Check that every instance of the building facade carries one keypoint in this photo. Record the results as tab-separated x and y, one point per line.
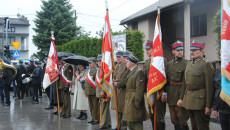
183	20
17	32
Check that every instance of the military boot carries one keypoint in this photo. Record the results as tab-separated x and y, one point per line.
161	126
185	127
177	127
84	116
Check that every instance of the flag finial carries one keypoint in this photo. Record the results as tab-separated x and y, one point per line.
52	35
106	4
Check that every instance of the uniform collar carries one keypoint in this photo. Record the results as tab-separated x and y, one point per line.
177	61
197	59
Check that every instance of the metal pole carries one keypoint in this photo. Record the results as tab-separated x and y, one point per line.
3	41
6	30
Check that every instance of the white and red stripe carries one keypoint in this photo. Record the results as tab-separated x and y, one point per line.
107	65
157	76
91	81
63	77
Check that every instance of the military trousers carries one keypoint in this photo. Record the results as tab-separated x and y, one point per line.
122	123
199	120
66	109
135	125
105	120
161	110
179	115
94	107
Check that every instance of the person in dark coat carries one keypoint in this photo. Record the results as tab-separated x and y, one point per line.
29	70
20	86
7	80
14	81
1	89
36	81
219	105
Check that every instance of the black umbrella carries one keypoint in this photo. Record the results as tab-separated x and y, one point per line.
64	54
76	60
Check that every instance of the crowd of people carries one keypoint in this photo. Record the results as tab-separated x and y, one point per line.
191	92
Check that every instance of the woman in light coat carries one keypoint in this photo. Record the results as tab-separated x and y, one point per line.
80	102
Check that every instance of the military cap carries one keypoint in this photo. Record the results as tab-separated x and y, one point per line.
99	57
178	45
126	53
26	63
197	45
20	61
15	63
149	44
132	58
92	59
37	62
119	53
31	60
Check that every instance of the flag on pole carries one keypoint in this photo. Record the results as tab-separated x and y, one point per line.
225	53
107	65
157	77
52	67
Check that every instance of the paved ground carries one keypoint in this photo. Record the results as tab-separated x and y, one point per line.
22	115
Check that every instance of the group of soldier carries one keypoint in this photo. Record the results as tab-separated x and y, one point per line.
189	90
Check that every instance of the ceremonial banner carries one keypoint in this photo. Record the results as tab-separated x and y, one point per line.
107	65
157	77
52	67
225	53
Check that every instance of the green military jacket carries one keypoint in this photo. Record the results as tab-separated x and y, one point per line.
175	74
135	96
68	72
198	73
89	90
98	89
146	68
121	73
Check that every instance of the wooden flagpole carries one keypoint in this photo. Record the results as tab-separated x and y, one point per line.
107	13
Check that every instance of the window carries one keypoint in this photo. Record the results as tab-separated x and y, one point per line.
10	40
11	29
199	25
135	26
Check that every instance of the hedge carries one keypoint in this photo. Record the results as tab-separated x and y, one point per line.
91	47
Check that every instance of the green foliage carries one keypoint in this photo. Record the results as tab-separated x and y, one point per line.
217	23
91	47
55	15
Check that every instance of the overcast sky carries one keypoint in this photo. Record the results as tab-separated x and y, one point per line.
90	13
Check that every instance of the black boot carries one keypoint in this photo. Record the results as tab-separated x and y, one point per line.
161	126
177	127
81	113
185	127
84	116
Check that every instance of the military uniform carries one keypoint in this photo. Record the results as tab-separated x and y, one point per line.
105	118
134	109
65	94
175	74
199	91
161	106
92	99
121	73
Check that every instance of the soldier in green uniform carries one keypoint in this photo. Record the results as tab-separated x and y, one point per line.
161	106
134	108
175	75
64	84
90	92
105	120
120	75
199	87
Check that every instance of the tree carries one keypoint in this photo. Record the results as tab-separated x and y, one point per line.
55	15
217	30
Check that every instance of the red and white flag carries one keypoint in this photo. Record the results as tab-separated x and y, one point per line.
107	65
52	67
157	77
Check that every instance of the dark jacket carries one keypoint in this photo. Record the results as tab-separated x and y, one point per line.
7	76
218	103
20	70
30	68
37	76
